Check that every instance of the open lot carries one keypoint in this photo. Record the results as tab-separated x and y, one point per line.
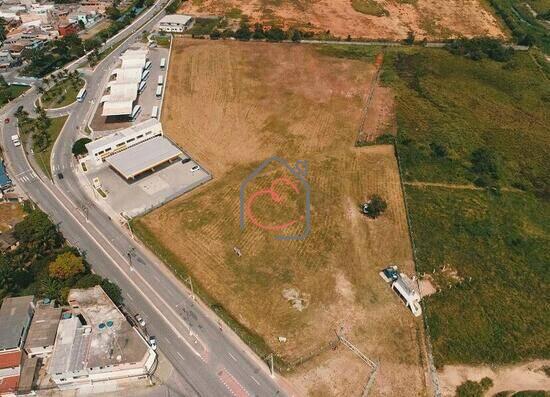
233	105
10	214
487	252
362	18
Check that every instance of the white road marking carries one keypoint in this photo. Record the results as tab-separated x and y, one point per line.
254	379
129	296
179	354
232	356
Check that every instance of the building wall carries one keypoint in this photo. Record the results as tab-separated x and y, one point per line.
42	351
71	380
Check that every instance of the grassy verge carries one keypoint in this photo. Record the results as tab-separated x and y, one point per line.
43	157
11	92
62	93
180	270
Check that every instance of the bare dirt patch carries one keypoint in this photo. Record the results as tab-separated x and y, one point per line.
10	214
431	19
526	376
231	105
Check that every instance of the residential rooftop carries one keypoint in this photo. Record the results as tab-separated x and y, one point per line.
15	315
43	326
97	335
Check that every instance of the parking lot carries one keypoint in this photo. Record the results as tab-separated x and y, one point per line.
148	191
147	99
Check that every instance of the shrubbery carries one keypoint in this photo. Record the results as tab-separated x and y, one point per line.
479	48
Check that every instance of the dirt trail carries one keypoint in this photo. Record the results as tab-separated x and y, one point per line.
526	376
457	186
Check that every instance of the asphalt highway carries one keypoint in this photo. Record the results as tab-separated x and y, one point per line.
209	356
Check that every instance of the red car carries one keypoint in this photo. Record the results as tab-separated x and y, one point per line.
6	120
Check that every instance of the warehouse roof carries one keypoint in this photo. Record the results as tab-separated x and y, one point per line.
149	124
140	158
134	54
128	75
15	315
121	92
176	19
117	108
43	326
132	63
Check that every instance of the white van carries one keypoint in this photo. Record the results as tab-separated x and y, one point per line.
162	63
15	140
155	112
161	80
159	91
135	112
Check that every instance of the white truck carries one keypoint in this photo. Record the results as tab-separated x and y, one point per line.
15	140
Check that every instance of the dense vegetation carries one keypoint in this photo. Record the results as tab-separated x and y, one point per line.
64	89
43	265
474	389
525	27
477	122
53	56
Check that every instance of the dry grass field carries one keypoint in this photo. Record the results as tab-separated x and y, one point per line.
374	19
232	105
10	214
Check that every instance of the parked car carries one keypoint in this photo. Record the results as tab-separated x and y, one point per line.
7	120
153	342
195	168
60	175
140	320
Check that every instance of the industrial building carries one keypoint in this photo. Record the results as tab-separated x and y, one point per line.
135	150
95	343
15	318
175	23
123	90
120	140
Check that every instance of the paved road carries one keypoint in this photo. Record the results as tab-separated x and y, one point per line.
212	360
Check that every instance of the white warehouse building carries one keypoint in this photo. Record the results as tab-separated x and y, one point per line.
118	141
175	23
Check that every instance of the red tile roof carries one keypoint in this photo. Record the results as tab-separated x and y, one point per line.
10	359
9	384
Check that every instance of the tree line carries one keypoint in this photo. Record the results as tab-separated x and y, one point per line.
44	265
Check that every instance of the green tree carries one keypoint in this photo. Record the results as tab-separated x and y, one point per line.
113	291
50	288
79	147
113	13
65	266
474	389
173	7
243	33
37	233
374	207
296	36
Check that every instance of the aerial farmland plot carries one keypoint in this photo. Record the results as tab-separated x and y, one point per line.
370	19
232	105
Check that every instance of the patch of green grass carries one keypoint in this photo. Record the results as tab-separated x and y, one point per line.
448	107
203	26
369	7
11	92
360	52
502	244
462	105
163	41
62	93
43	157
234	13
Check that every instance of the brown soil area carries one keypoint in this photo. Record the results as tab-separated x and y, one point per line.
231	105
432	19
10	214
525	376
